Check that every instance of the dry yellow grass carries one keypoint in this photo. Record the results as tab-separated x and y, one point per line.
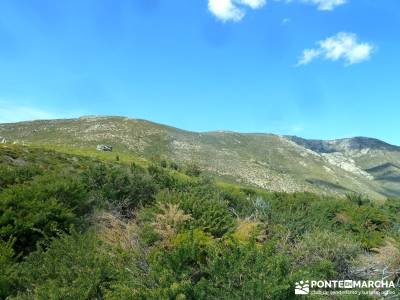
382	262
169	220
388	255
116	232
343	218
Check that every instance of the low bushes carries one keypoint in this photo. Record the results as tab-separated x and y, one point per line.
7	266
42	208
71	268
209	212
16	175
120	189
109	231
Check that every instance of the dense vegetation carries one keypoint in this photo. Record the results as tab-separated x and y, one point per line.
72	227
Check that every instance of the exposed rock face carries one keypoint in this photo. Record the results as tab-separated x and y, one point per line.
3	140
105	148
344	145
346	163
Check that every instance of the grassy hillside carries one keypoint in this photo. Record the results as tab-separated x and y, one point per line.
79	227
276	163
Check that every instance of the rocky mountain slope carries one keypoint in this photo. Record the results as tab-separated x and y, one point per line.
273	162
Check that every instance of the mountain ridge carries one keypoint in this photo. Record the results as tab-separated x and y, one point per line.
93	117
269	161
353	143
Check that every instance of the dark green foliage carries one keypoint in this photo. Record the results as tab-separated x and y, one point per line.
235	242
15	175
247	271
71	268
124	190
7	265
209	212
162	177
200	267
67	189
358	199
192	170
302	211
39	210
174	166
246	204
323	247
368	225
164	163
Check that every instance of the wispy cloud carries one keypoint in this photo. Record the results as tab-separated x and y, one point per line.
10	112
233	10
325	4
342	46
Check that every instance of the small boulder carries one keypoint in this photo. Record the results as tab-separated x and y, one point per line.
105	148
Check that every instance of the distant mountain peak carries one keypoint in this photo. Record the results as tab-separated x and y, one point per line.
344	145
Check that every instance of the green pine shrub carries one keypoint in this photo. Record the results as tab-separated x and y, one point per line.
208	213
10	175
7	267
71	268
31	213
319	247
121	189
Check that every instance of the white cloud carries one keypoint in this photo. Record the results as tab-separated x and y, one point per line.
254	4
308	56
325	4
233	10
342	46
321	4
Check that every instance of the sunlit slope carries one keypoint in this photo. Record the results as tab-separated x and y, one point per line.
270	161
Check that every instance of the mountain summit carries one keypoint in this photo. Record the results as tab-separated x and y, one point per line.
274	162
344	145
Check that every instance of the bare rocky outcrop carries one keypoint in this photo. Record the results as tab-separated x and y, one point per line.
104	148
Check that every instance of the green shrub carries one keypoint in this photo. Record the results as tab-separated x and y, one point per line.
162	177
318	247
10	175
67	189
7	267
200	240
246	271
210	214
124	190
30	218
174	272
41	209
358	199
302	212
368	225
200	267
71	268
192	169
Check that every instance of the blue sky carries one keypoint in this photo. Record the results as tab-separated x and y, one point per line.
314	68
